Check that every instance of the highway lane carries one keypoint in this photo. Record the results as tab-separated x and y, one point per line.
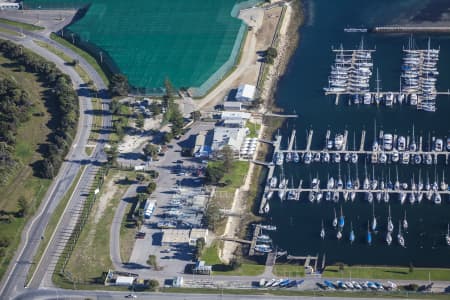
14	280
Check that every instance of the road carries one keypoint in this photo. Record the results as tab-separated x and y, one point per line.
15	278
69	294
114	242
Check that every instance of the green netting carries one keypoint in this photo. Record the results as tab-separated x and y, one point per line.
192	42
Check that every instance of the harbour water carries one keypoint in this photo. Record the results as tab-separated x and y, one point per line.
301	90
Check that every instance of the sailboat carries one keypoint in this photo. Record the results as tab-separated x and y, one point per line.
356	183
374	219
369	234
375	145
444	185
354	157
322	232
390	225
369	197
352	234
341	219
405	222
401	239
339	234
447	236
335	220
397	182
388	238
340	183
295	155
374	182
378	95
366	184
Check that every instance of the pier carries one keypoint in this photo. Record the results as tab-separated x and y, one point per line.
381	94
264	201
252	242
411	29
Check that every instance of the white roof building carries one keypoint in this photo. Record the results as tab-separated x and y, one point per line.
232	105
246	93
235	115
233	137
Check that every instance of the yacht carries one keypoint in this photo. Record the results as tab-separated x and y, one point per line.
335	220
288	157
296	157
405	222
341	220
439	145
279	158
339	235
307	158
266	207
387	141
328	196
447	236
317	157
338	141
417	159
352	234
369	235
386	197
389	99
401	143
336	196
273	182
354	158
437	198
315	183
390	225
402	197
405	158
326	157
448	144
388	238
337	157
322	232
382	158
395	157
312	196
369	197
400	238
374	219
330	183
444	185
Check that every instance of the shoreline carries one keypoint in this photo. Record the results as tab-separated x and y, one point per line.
286	42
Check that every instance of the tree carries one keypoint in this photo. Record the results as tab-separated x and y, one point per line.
177	120
214	173
170	90
151	187
168	136
150	150
118	85
271	52
199	246
153	285
196	115
235	263
23	206
213	216
140	121
140	177
228	157
155	108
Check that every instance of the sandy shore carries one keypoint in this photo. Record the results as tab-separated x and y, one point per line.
285	43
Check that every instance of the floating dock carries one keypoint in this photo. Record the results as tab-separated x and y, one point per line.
411	29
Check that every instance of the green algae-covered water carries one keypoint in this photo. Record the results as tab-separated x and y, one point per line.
148	40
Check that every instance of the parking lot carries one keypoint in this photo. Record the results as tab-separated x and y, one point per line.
180	200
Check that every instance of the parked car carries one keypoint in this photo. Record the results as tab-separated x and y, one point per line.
140	235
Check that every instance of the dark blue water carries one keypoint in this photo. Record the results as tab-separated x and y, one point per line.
300	89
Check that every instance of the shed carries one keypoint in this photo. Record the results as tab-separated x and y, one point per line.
125	280
246	93
232	105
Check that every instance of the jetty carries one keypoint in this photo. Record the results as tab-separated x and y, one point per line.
411	29
252	242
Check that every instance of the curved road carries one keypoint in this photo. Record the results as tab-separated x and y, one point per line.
15	278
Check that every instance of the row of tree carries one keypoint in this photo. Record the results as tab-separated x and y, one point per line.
14	110
65	116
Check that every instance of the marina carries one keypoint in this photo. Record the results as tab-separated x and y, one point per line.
410	148
352	70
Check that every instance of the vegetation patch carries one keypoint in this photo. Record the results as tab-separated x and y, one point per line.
395	273
24	26
89	59
237	267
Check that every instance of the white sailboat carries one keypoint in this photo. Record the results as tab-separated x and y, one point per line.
335	220
390	225
374	219
405	222
322	232
400	238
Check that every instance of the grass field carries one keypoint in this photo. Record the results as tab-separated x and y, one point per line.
254	129
10	32
127	234
311	294
24	26
84	55
395	273
51	226
91	256
80	71
22	181
248	268
289	270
